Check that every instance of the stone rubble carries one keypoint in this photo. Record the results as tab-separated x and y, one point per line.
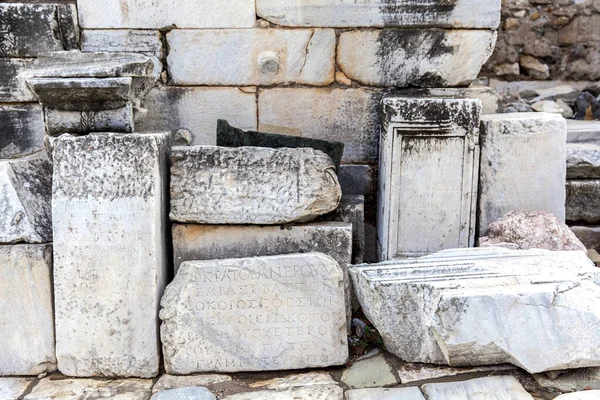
251	185
439	320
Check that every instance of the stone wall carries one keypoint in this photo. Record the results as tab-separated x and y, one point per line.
547	39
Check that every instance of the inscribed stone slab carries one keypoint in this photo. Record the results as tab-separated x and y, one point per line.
523	165
379	13
414	57
349	116
255	314
109	252
26	317
122	40
493	387
29	29
150	14
251	185
253	56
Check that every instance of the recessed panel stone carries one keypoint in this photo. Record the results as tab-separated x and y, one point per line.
110	263
255	314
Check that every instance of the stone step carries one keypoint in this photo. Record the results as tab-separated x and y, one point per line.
583	160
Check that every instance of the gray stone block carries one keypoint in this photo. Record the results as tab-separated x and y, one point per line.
583	200
21	130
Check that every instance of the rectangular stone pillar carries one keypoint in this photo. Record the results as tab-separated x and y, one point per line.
109	215
428	175
523	165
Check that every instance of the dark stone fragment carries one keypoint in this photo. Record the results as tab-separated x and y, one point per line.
587	107
21	130
229	136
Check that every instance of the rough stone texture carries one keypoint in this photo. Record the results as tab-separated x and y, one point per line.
410	393
148	14
493	387
29	29
583	200
252	56
524	230
21	130
489	97
25	200
344	115
229	136
319	392
570	381
83	389
110	261
13	388
427	311
370	372
522	165
13	88
168	382
58	122
185	393
122	40
352	210
587	395
561	35
212	318
293	381
427	175
583	160
379	13
197	109
414	57
589	236
26	318
413	372
251	185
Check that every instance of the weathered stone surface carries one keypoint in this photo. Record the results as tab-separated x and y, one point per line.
583	160
252	56
25	199
427	311
414	372
29	29
582	131
83	389
197	109
522	165
251	185
185	393
21	130
356	180
583	200
344	115
427	201
379	13
410	393
26	318
208	242
587	395
589	235
168	382
352	210
488	96
570	381
493	387
319	392
293	381
58	122
13	88
109	252
524	230
122	40
370	372
13	388
255	314
229	136
414	57
148	14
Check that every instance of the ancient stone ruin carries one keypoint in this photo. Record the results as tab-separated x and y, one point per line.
307	199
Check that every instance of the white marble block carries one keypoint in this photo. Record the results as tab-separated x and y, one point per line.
485	306
109	212
427	175
522	165
26	316
252	56
255	314
379	13
251	185
414	57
